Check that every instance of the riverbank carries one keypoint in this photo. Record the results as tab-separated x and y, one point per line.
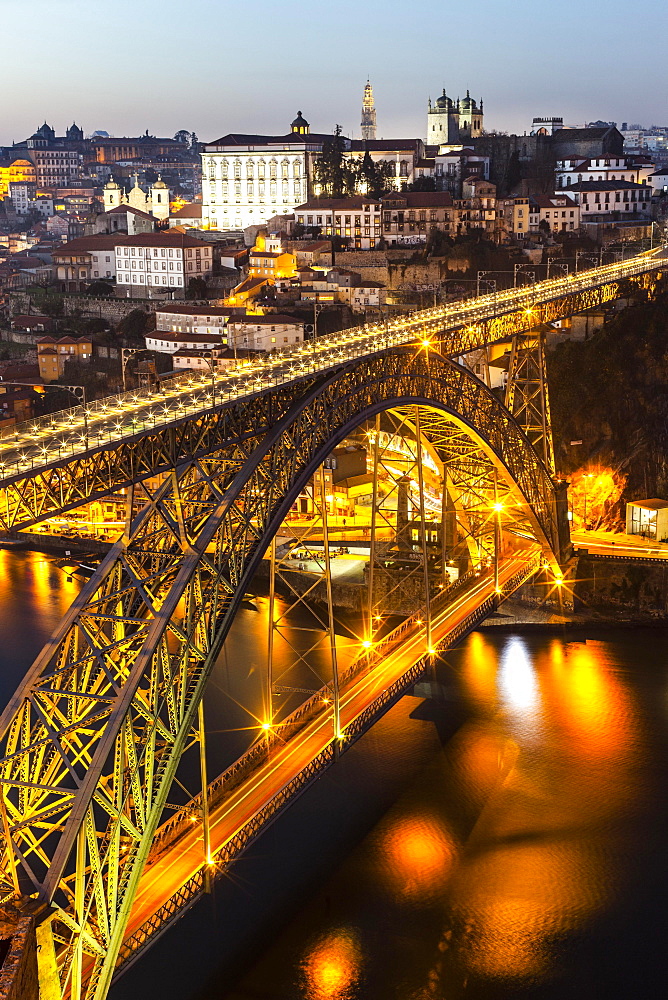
514	615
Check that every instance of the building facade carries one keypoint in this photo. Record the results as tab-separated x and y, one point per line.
265	333
53	355
614	199
87	259
247	179
357	219
408	217
164	262
452	122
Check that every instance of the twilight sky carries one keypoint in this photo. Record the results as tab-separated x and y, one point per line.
215	66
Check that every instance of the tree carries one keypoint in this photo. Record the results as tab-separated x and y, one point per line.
134	326
422	184
196	289
182	136
373	177
99	288
333	172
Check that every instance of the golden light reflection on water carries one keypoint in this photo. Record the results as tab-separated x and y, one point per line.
589	702
479	671
518	686
418	854
534	868
331	969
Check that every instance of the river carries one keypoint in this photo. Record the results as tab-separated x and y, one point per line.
501	833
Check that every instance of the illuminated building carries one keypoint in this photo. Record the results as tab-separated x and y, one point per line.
368	123
400	157
154	202
356	218
16	172
248	179
268	259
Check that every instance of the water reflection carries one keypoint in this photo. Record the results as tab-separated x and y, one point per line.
494	875
517	681
331	969
418	856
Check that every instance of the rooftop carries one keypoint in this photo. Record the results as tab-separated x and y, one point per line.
272	319
169	238
86	244
194	310
609	186
191	211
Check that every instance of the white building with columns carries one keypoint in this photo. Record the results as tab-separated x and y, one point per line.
248	179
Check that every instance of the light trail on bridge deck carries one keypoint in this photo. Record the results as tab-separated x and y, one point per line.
183	859
48	440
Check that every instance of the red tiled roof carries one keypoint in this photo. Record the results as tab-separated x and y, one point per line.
269	320
87	244
167	239
191	211
128	210
195	310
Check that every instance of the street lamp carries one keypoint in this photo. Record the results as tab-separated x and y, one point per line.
212	369
587	475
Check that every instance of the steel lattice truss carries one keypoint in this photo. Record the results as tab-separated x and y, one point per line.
91	741
527	395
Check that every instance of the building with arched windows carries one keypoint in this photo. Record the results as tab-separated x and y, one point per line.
248	179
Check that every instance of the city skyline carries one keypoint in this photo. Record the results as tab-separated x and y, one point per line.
210	73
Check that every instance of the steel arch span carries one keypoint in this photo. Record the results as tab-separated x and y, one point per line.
91	741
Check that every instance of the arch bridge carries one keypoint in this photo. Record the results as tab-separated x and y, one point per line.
92	867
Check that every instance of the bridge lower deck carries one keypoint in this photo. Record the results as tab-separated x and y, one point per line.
166	877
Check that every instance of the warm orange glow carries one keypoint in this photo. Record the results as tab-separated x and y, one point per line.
592	494
332	967
480	670
420	855
177	204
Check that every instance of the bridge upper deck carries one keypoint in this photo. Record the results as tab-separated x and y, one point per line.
454	328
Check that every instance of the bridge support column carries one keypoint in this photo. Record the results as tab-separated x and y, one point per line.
527	395
269	693
330	613
206	830
372	540
423	525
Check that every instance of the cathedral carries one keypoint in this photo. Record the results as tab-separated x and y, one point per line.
155	202
452	123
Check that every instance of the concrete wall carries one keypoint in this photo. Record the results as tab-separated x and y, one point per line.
631	585
396	270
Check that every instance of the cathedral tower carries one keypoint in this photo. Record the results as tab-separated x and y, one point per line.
368	123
